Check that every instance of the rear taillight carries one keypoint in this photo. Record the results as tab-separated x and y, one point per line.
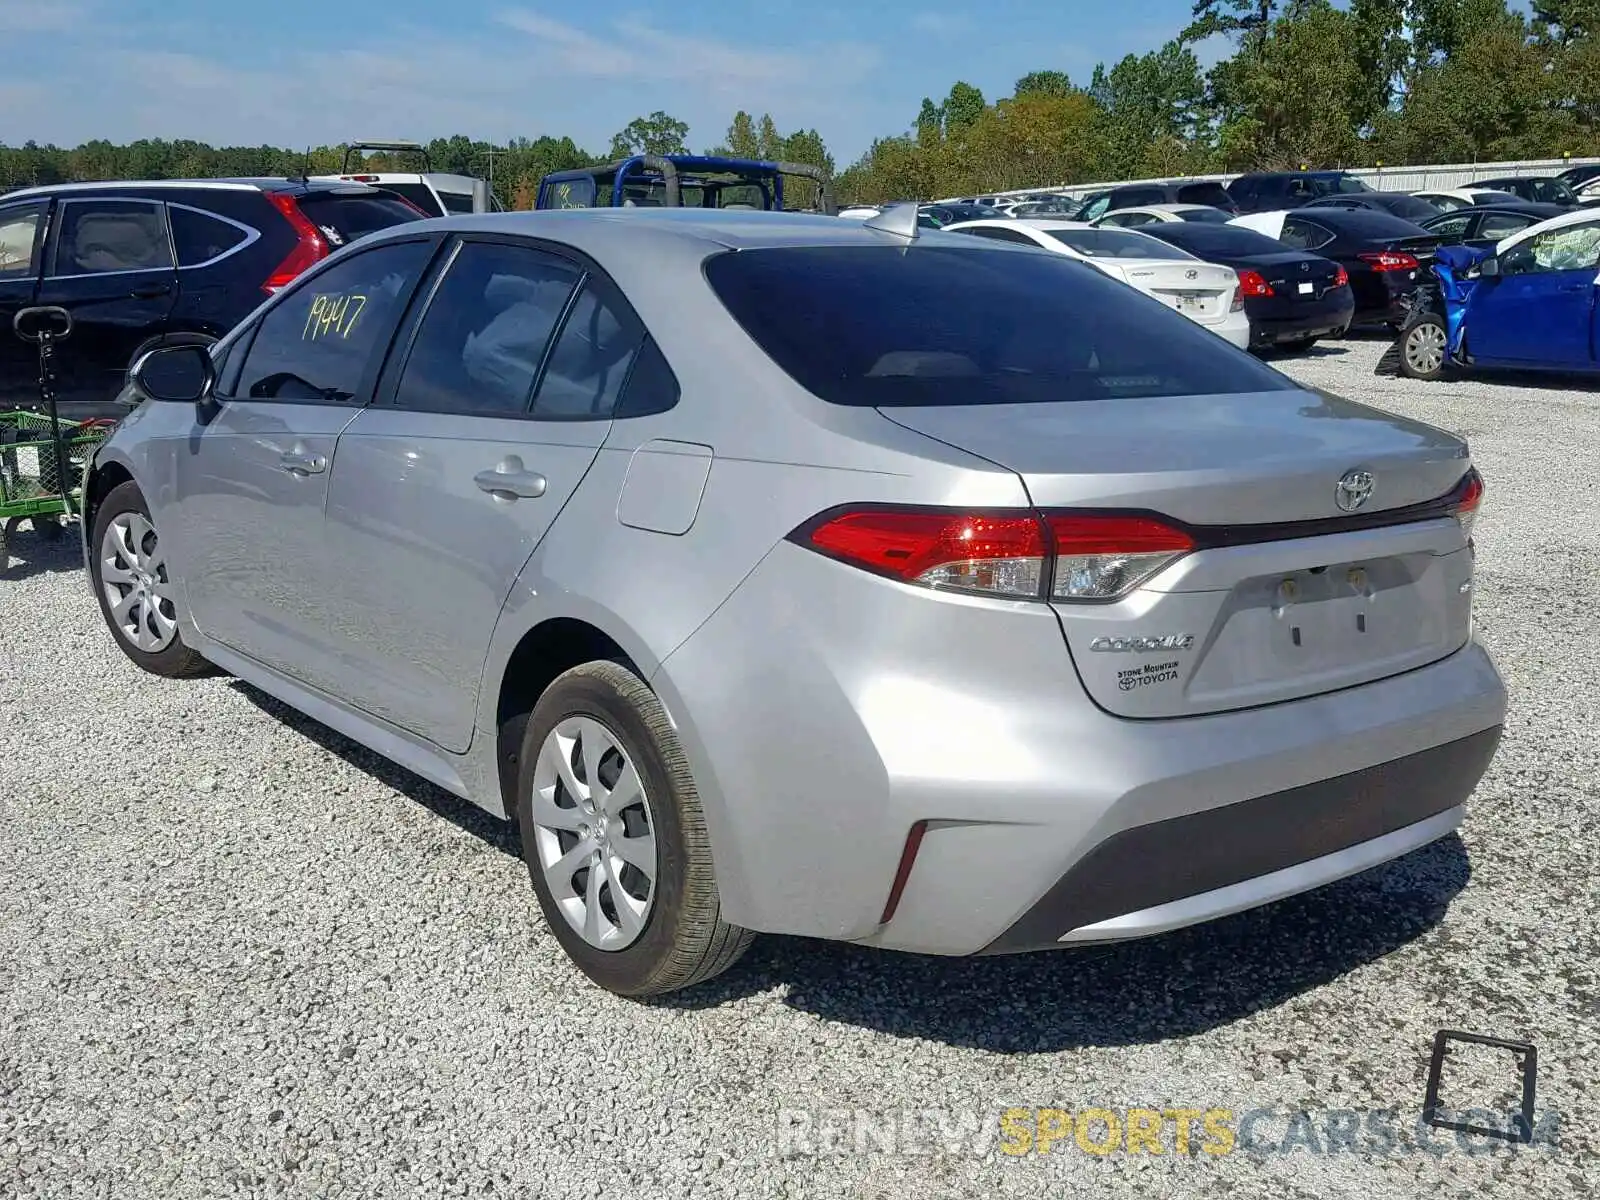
1011	554
1342	279
1252	283
1389	260
1466	508
1238	300
310	246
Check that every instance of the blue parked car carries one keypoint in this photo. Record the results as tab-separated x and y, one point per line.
1528	303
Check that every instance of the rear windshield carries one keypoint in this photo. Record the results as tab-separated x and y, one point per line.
353	217
1410	208
1205	239
932	325
419	194
1206	216
1115	243
1205	193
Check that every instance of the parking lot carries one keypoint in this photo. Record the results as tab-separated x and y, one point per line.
241	956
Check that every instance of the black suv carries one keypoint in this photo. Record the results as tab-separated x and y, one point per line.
1272	191
159	263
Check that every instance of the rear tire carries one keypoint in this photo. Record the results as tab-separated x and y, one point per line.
1423	345
127	566
615	839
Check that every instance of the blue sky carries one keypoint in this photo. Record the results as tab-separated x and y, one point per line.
293	72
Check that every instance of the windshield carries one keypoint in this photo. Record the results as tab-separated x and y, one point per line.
1115	243
972	324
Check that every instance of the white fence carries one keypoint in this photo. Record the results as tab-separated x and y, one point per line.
1387	179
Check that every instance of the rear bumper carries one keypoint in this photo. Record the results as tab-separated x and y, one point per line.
1289	322
1167	874
825	713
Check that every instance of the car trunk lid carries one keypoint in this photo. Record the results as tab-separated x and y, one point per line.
1285	594
1199	290
1297	277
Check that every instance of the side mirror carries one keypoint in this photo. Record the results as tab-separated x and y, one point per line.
175	374
1489	268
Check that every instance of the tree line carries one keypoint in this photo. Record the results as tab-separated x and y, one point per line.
1305	83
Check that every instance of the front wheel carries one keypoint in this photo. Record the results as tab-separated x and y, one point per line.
128	566
615	839
1424	346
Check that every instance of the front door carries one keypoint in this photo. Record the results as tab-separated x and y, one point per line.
22	228
251	485
110	265
443	489
1539	311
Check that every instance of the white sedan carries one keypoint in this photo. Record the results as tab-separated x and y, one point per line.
1207	293
1156	214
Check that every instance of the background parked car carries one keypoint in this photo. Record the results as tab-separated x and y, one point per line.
145	264
1540	189
1207	293
1132	218
1266	191
1382	254
1474	226
1451	199
1291	297
1138	195
1397	204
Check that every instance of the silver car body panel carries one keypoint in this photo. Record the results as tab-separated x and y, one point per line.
824	710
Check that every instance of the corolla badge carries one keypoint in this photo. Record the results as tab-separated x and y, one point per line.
1353	490
1142	644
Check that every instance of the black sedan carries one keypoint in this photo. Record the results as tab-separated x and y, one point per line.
1396	204
1537	189
1385	256
1291	297
1486	226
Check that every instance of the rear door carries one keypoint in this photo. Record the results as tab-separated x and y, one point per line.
1539	311
485	426
22	237
250	486
111	266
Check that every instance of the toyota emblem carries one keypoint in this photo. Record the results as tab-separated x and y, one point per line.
1353	490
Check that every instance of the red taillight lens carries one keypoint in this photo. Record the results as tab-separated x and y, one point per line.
1389	260
1466	510
1342	279
1089	556
1100	557
1252	283
999	554
310	246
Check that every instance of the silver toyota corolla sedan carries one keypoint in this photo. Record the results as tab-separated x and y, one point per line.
795	575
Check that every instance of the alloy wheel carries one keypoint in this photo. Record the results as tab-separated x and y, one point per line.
594	833
137	588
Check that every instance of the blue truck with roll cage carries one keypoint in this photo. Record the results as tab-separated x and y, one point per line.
684	181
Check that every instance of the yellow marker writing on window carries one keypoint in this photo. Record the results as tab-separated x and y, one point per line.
332	314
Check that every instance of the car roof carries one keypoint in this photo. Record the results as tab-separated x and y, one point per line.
301	186
1377	222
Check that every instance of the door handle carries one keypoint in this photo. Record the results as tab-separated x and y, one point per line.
151	291
510	481
297	463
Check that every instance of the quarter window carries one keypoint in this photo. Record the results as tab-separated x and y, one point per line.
592	357
480	344
200	237
19	241
101	236
317	344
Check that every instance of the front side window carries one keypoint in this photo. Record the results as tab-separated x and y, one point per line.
19	240
1450	227
317	344
484	336
101	236
871	326
1575	248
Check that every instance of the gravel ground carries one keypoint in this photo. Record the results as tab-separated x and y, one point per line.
239	956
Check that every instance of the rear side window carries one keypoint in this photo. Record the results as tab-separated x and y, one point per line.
1452	227
484	336
201	238
1496	225
19	241
1303	234
345	219
963	325
317	344
101	236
